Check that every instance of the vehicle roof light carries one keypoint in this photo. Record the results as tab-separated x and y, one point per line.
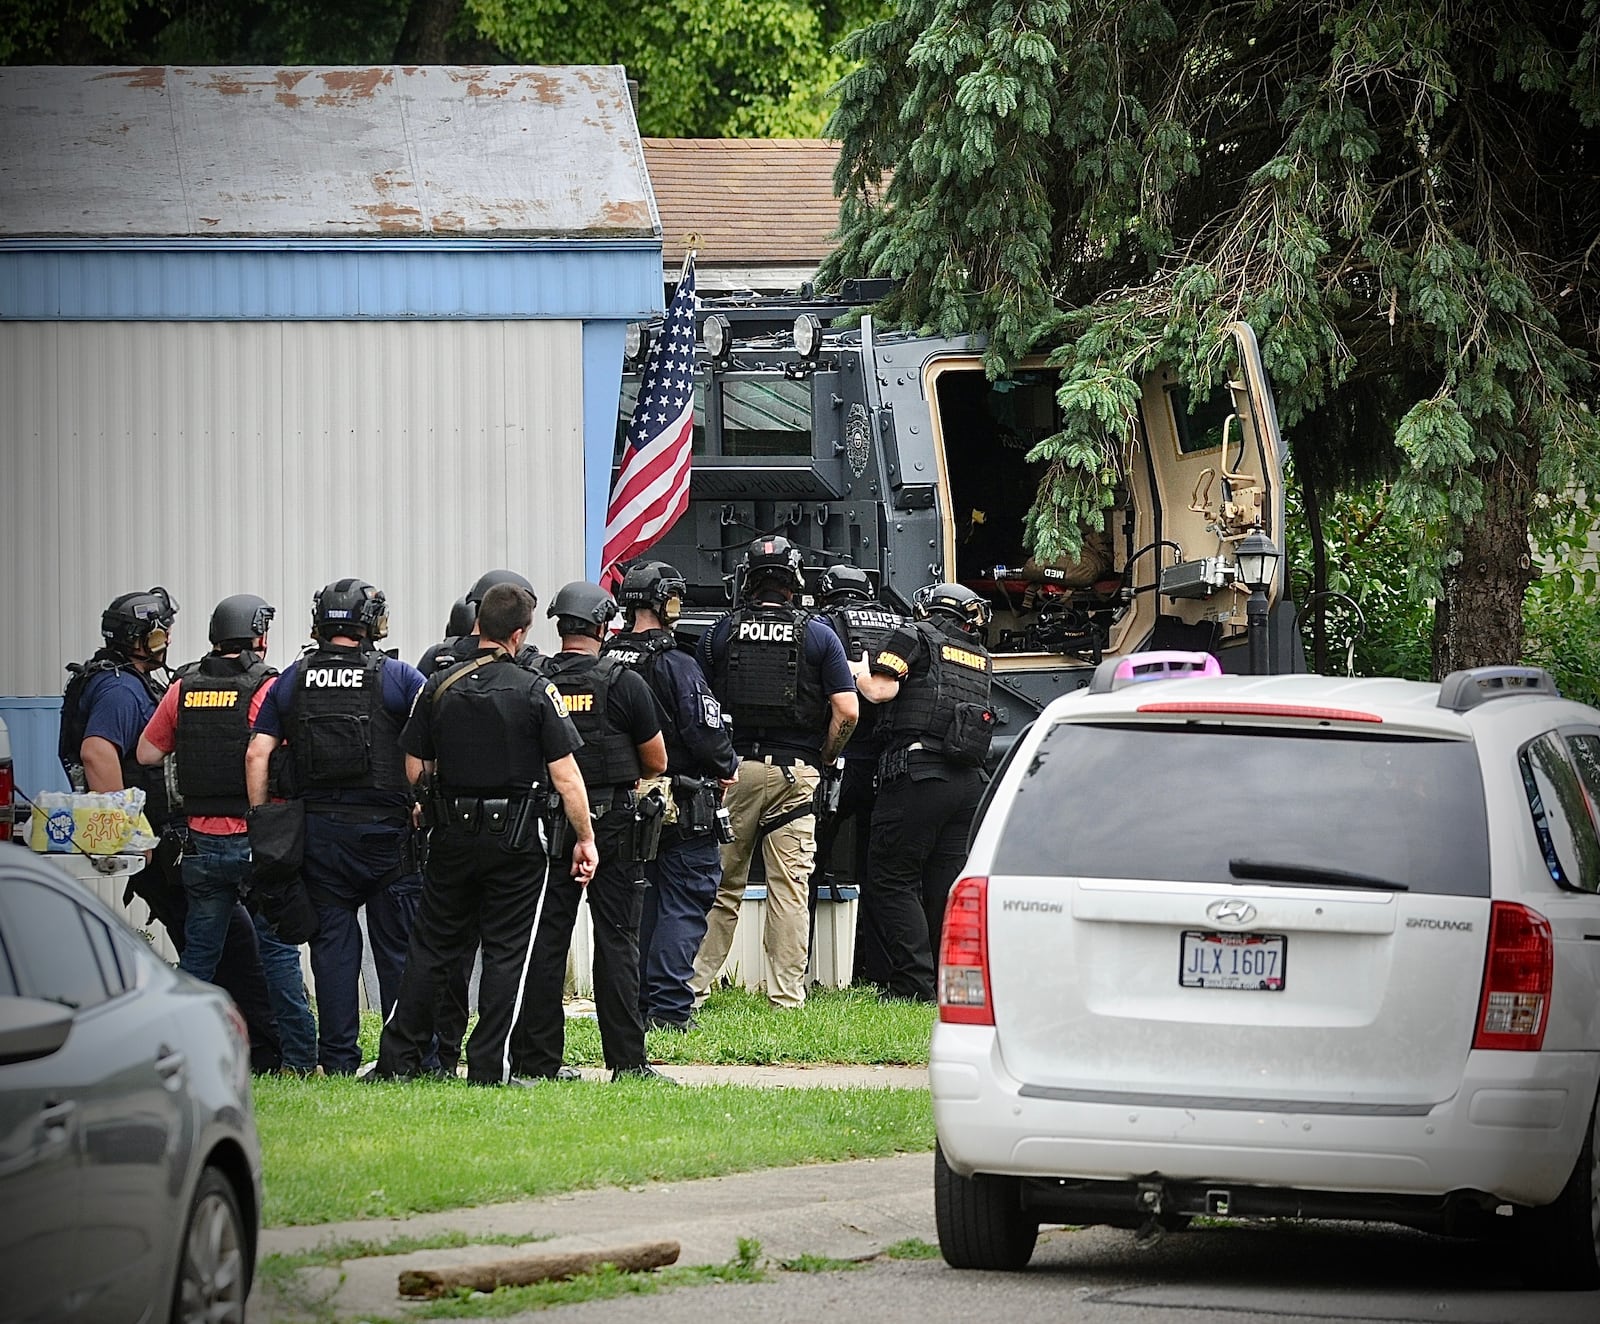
1169	664
1240	708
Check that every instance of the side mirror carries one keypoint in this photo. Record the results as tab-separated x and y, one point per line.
31	1029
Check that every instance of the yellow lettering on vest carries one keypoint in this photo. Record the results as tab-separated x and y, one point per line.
578	703
210	698
962	658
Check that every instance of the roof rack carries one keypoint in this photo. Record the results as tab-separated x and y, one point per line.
1462	691
1115	672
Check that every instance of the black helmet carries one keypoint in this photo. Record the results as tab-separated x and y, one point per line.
845	581
241	617
489	578
954	600
583	603
351	607
653	584
773	557
137	620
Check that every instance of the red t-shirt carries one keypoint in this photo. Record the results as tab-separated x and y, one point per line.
162	732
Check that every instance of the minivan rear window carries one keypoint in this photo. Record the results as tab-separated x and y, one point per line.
1176	802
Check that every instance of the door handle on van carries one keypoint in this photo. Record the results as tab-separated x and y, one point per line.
169	1064
55	1118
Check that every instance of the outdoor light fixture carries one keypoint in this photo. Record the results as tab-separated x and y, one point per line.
1257	558
808	336
717	337
635	342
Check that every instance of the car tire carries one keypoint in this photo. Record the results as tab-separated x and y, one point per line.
1559	1243
981	1221
214	1259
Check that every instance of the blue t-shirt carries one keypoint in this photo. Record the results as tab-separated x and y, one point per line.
117	706
822	651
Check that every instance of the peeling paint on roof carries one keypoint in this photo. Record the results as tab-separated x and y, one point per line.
498	152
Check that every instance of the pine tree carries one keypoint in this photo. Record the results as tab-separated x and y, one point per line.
1402	199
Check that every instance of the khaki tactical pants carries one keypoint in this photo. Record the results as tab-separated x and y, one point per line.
762	793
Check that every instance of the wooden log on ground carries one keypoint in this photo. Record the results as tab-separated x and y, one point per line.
545	1267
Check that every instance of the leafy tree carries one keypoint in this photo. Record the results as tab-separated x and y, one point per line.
1402	199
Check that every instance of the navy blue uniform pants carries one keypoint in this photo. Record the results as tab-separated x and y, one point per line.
351	862
683	882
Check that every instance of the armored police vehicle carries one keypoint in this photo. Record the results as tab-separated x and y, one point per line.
896	453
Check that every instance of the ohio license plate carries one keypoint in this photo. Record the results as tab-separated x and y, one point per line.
1252	961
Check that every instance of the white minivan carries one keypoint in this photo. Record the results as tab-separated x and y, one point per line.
1280	946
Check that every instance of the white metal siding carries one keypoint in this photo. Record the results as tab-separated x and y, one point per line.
271	458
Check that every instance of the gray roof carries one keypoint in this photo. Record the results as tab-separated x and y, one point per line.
506	152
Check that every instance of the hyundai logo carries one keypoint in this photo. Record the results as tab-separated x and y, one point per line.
1234	912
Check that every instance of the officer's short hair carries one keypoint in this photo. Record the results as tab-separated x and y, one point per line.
505	609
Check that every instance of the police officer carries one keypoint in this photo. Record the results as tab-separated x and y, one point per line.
107	704
484	737
204	718
616	715
851	609
461	632
937	673
784	680
341	708
684	875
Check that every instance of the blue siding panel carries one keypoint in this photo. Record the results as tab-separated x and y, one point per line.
385	280
602	389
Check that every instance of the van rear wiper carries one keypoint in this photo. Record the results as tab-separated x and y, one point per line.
1313	875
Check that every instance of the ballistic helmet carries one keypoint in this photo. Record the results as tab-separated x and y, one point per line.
241	618
351	607
137	620
489	578
654	585
585	606
844	583
956	601
773	558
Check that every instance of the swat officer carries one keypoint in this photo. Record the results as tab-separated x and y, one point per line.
684	875
851	609
616	715
108	702
461	632
341	708
937	672
484	737
204	718
784	680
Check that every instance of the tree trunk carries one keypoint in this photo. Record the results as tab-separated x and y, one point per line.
1479	621
427	25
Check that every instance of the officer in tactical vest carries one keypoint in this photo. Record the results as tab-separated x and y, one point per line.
684	875
863	624
486	736
108	702
784	680
341	707
461	632
930	777
616	715
204	720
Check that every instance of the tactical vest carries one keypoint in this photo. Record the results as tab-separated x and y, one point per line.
75	721
608	757
946	707
762	676
214	700
481	728
640	652
342	736
863	628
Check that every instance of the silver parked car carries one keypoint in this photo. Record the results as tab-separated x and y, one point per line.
130	1170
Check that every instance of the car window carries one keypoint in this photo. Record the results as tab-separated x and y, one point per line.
8	980
112	968
1585	750
1178	802
1558	801
49	946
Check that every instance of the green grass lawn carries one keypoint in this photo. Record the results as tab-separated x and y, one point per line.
342	1149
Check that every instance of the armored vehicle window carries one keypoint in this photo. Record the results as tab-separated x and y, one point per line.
766	416
1198	423
630	398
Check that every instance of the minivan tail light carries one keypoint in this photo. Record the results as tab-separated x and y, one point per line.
964	955
1517	977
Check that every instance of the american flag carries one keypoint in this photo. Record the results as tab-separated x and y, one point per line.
652	487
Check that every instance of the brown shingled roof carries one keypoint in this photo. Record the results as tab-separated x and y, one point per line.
751	201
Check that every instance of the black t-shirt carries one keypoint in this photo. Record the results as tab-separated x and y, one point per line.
513	715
